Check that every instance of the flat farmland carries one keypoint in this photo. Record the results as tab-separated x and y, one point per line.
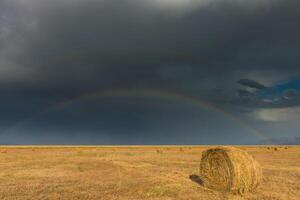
134	173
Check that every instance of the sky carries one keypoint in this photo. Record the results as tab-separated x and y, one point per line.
149	71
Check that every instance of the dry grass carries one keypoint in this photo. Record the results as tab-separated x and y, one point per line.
133	173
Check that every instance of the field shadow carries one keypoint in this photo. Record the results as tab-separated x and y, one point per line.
195	178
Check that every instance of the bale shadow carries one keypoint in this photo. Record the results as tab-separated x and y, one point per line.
197	179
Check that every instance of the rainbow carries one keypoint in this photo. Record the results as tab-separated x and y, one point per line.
148	93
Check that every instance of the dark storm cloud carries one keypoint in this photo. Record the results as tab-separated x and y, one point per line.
251	84
127	41
54	50
281	95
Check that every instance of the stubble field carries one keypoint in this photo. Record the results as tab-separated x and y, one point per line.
134	173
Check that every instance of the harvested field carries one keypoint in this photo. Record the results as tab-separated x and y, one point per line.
134	172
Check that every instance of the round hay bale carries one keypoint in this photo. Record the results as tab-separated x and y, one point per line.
230	170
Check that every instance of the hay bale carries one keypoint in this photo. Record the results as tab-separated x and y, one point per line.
230	170
159	151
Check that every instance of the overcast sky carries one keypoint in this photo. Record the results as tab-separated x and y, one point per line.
149	71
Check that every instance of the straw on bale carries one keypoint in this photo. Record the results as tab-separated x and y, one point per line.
230	170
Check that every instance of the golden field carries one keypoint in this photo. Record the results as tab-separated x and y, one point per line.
134	173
